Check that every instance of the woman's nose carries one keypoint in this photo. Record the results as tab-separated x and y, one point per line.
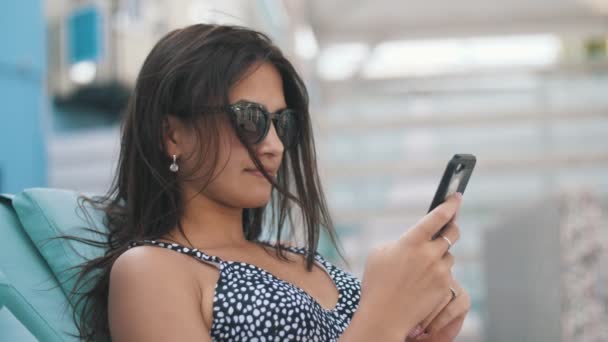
271	144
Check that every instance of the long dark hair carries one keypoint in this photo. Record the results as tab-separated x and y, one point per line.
189	71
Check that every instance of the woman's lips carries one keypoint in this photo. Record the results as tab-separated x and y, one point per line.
255	173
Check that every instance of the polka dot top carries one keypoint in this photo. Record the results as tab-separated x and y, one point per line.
251	304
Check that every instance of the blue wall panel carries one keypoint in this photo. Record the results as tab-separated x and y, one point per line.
24	103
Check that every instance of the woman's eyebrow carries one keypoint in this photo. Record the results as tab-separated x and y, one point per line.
262	105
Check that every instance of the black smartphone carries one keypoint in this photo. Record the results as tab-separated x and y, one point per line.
455	179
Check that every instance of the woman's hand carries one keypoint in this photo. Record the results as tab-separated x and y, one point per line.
406	279
445	322
446	334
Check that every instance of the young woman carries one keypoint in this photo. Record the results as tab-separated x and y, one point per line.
217	152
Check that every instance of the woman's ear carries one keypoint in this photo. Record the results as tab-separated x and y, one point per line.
171	135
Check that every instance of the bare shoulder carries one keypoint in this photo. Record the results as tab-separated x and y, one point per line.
147	263
153	297
156	258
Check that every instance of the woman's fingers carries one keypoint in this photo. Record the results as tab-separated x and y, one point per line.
420	328
458	307
446	300
437	218
447	334
451	233
427	321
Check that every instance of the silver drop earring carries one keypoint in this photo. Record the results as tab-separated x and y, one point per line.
174	167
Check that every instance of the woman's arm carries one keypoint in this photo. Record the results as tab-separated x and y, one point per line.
150	300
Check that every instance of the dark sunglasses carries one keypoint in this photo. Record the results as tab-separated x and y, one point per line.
252	122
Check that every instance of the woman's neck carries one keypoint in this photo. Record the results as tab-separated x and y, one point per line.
209	224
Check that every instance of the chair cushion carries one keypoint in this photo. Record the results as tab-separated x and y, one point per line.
28	287
46	213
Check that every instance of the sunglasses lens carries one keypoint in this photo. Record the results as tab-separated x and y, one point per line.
286	127
251	123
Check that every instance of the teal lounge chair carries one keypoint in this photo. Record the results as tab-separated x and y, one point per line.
33	301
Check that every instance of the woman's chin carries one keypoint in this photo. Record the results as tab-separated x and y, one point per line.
256	201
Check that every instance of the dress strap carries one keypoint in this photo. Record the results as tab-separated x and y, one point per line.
297	250
300	250
194	252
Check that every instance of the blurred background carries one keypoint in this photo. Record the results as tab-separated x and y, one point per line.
397	88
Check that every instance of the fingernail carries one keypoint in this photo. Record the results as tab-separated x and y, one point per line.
416	331
458	195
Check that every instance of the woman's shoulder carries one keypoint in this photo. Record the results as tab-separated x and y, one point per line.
148	287
147	263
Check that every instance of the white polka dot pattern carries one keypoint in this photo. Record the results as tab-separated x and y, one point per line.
251	304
